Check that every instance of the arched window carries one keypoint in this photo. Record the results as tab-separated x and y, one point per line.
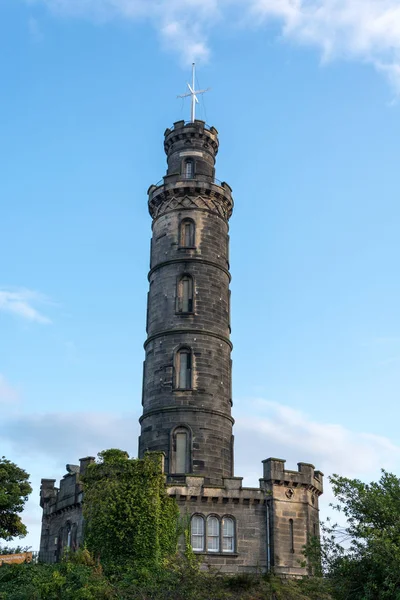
197	533
184	369
188	169
228	534
187	234
185	294
212	534
181	450
291	535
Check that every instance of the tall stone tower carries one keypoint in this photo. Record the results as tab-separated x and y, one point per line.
187	392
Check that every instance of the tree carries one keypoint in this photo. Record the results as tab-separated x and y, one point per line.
130	519
14	491
362	560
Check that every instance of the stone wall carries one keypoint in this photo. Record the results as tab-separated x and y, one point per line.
62	519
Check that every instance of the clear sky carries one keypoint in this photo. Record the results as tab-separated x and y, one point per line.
305	96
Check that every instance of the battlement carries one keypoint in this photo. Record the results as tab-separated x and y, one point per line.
306	475
190	135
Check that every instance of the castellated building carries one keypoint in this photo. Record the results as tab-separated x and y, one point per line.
187	387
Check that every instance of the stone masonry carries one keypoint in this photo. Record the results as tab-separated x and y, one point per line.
187	387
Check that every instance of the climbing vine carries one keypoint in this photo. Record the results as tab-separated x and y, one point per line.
129	518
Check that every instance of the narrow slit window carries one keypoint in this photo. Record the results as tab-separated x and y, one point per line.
185	294
184	369
189	171
181	452
197	533
187	234
228	535
291	535
212	534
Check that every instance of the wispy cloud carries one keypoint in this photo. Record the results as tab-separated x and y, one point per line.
8	394
266	429
35	30
69	435
363	30
23	303
272	429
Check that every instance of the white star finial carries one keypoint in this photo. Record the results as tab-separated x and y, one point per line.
193	93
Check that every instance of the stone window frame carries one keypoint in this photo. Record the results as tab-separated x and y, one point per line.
179	295
177	368
180	428
220	534
181	233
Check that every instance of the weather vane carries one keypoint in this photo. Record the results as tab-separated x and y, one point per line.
193	93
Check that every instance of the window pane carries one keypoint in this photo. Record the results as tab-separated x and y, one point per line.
228	535
183	370
185	294
189	169
181	450
212	534
188	234
185	365
197	527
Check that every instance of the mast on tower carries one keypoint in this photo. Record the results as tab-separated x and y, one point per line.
193	93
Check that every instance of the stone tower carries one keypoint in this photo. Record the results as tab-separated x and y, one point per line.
187	392
187	395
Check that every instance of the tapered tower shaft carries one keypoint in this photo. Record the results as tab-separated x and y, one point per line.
187	392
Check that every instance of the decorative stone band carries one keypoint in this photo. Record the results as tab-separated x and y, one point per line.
185	259
189	194
164	409
196	332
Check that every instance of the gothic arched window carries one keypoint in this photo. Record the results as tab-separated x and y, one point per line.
184	369
197	533
187	234
212	534
188	169
185	294
181	450
228	534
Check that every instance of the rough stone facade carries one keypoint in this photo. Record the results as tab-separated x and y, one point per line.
62	521
187	389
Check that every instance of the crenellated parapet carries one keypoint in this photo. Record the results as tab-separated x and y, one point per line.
305	477
191	135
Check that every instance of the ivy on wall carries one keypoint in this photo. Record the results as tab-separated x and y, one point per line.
129	518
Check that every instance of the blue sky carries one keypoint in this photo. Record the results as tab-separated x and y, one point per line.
305	98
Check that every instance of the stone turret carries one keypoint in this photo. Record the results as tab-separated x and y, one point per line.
187	394
292	512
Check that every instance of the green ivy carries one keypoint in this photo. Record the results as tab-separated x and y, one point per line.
130	519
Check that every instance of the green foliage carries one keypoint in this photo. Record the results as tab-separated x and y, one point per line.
174	580
14	491
362	560
129	517
13	549
65	581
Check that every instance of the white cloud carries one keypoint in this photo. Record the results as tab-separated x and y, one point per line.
68	435
364	30
277	430
34	30
8	394
21	303
42	444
